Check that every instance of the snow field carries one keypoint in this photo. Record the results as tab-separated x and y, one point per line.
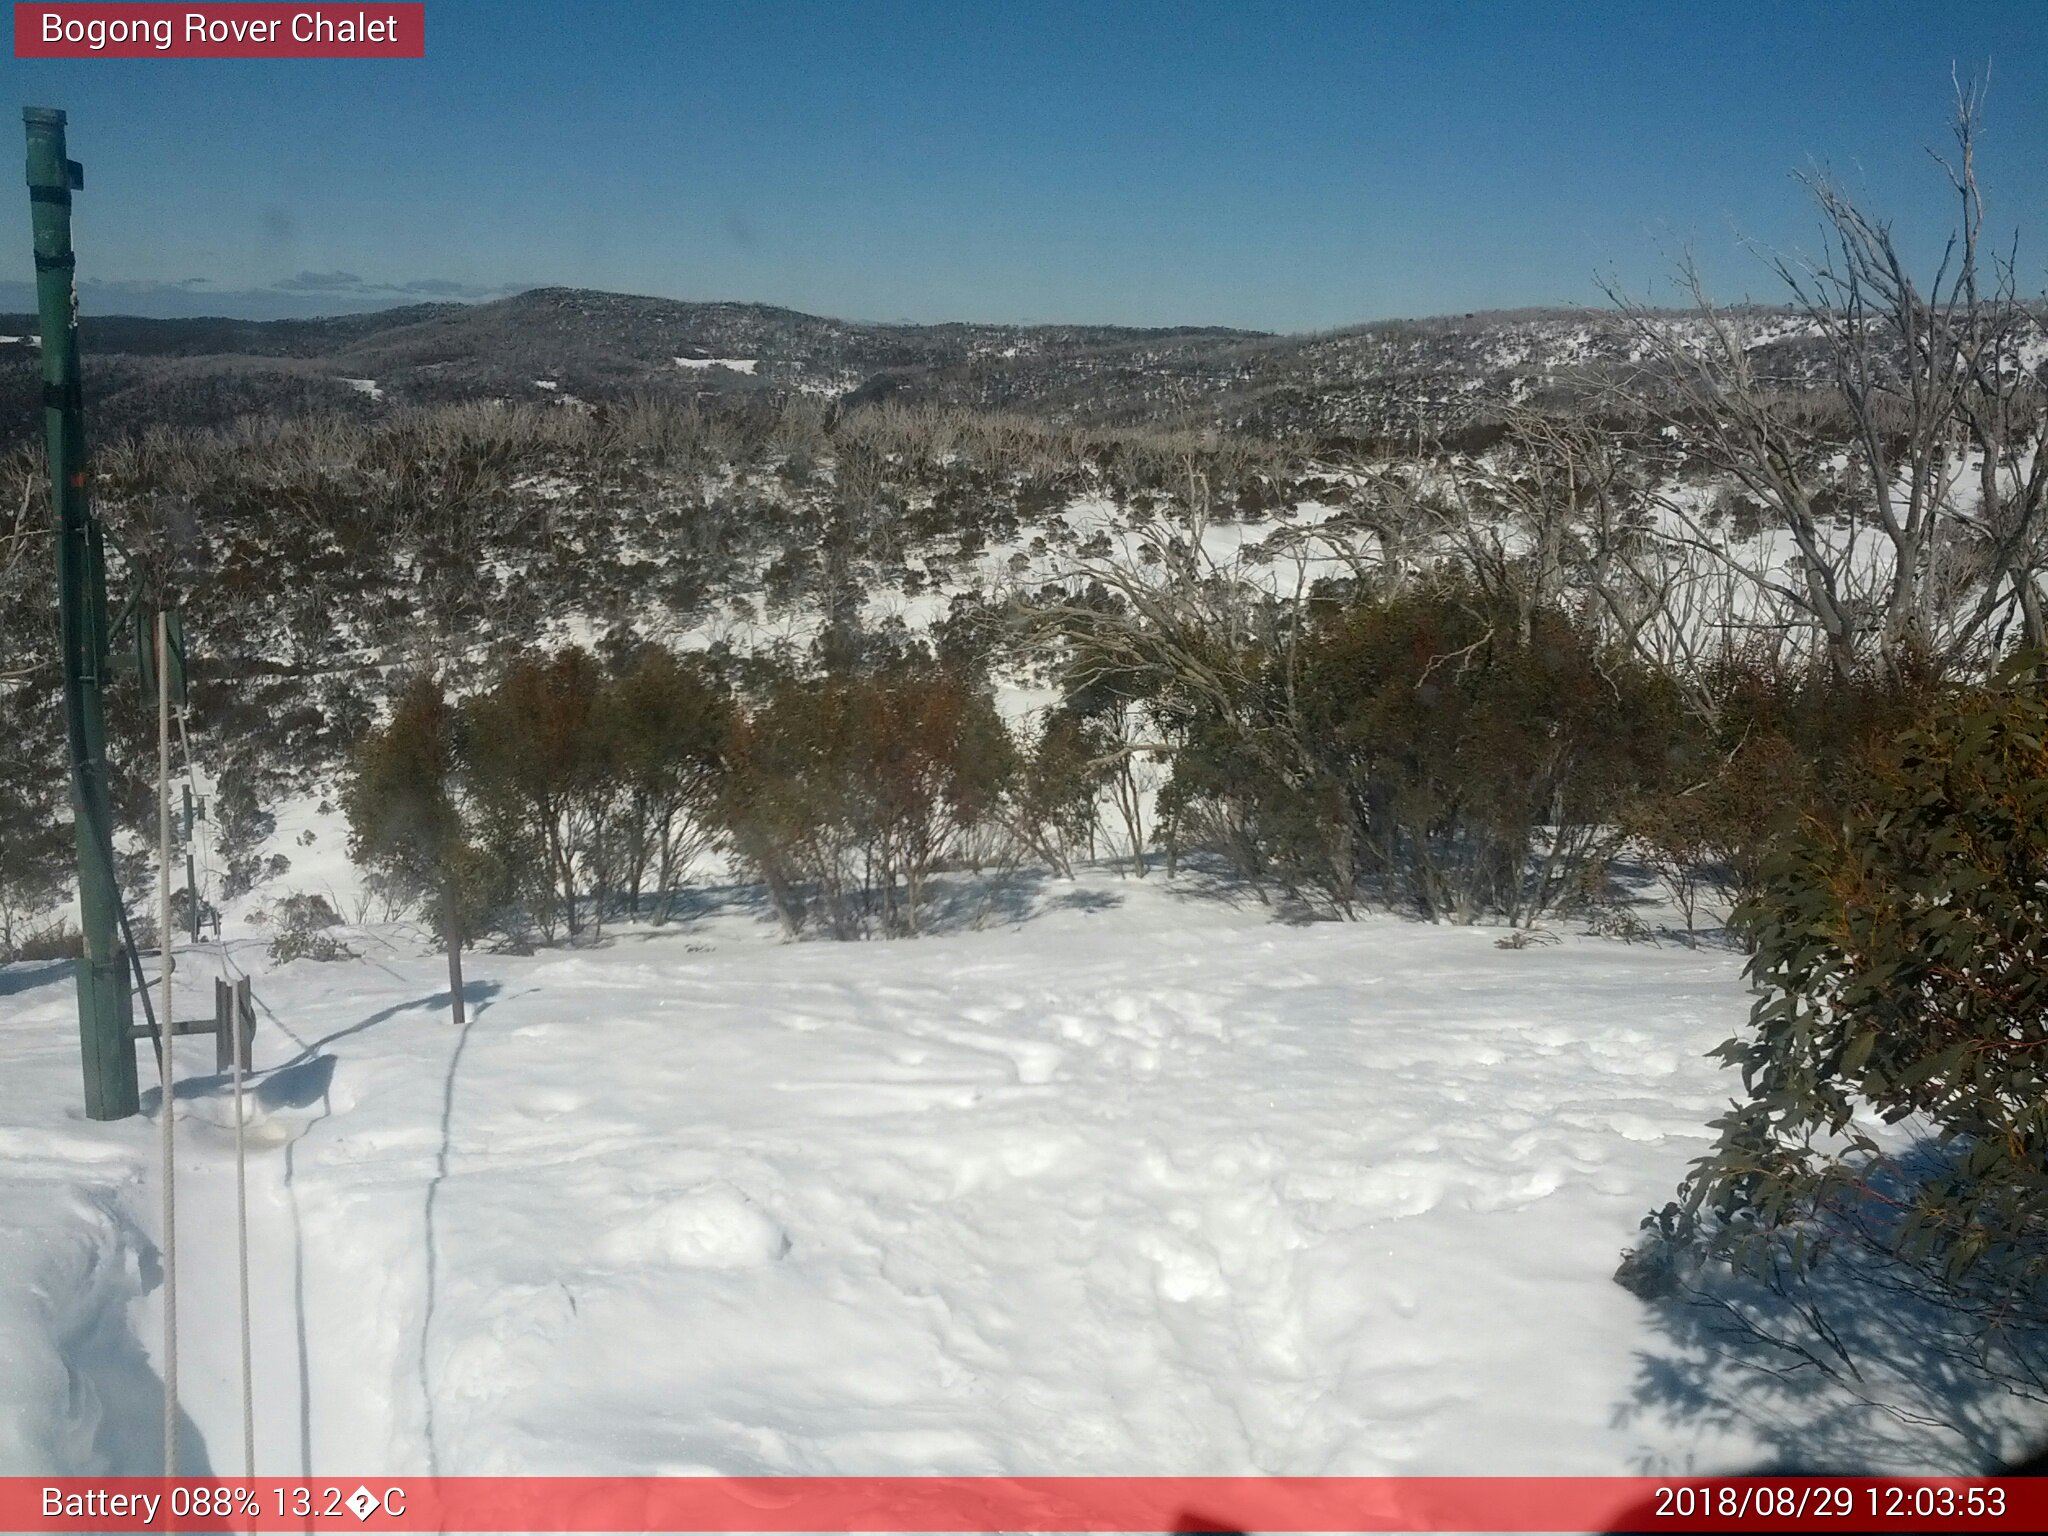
1146	1183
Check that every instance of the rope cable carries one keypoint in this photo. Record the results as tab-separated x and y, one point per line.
215	875
168	1115
241	1067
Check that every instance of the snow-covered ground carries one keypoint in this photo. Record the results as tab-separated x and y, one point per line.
1121	1178
735	364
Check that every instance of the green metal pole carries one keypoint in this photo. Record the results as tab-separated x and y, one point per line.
104	1008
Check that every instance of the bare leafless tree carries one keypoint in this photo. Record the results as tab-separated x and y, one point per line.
1185	628
24	548
1915	518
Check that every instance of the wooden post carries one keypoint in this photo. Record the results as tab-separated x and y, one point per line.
451	933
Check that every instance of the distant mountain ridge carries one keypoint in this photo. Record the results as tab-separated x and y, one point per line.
1387	378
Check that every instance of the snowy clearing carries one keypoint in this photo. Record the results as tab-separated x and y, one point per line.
1131	1179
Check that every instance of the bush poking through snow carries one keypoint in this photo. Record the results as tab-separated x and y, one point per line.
59	941
1665	1259
1611	920
302	920
1439	747
1898	957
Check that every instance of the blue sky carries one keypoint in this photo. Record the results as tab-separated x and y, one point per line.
1275	166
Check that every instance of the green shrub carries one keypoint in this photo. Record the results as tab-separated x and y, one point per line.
411	822
1785	742
1434	746
1710	837
1902	953
1058	785
847	793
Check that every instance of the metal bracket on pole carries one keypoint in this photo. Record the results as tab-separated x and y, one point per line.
234	1007
145	652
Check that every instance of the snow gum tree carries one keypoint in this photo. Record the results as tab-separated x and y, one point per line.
543	773
407	819
1059	782
667	718
847	793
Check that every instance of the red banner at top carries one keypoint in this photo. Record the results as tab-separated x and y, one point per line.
103	31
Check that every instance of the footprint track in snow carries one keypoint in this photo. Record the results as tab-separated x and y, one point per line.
714	1226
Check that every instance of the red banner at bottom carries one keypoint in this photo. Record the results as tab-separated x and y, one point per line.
1166	1504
